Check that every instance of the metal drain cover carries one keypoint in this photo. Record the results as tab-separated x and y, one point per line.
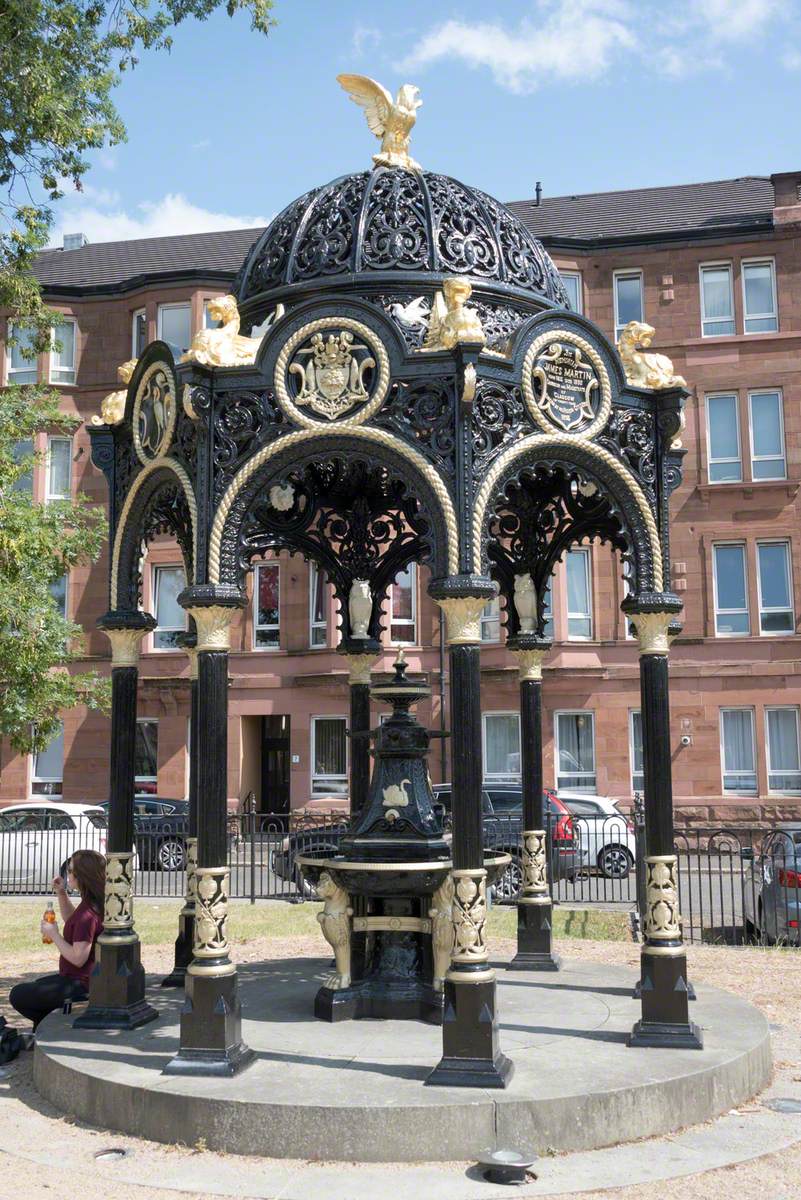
111	1154
783	1104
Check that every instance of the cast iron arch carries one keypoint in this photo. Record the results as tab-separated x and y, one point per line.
349	517
625	502
542	514
160	500
273	463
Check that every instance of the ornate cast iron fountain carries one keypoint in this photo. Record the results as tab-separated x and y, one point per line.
389	894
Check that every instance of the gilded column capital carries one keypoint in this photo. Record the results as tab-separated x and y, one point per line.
191	654
529	664
470	926
462	618
359	667
662	919
210	949
652	630
118	899
125	646
535	868
213	622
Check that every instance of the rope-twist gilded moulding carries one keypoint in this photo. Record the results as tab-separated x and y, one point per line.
377	437
567	447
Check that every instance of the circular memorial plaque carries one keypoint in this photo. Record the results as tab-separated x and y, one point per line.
566	385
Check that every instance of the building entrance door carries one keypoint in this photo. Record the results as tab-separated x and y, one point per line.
275	767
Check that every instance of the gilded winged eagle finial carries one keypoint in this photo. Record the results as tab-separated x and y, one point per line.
388	120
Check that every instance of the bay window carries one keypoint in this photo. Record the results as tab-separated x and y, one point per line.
21	361
784	762
267	607
501	747
62	362
774	578
491	621
579	595
403	607
759	296
723	439
738	755
766	420
59	468
48	767
575	751
168	583
628	294
146	754
717	300
329	753
318	607
731	593
175	327
572	282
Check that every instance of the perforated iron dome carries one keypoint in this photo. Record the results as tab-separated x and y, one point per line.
400	223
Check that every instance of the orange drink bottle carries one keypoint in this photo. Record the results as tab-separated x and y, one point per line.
49	915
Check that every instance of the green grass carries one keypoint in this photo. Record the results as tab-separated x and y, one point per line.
157	923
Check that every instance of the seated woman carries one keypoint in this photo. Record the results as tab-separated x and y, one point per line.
76	944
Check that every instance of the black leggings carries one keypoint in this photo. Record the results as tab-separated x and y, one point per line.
36	999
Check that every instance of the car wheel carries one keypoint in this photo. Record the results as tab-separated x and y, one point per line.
615	862
507	889
171	856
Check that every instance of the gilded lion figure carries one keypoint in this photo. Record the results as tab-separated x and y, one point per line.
112	408
645	368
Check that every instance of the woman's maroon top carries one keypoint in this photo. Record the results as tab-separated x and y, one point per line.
83	926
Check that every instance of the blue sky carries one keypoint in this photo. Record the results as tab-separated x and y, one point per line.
585	95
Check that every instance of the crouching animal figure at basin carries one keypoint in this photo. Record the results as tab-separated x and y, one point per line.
335	925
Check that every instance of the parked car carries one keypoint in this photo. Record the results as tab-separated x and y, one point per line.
38	838
772	886
321	838
161	827
502	806
605	833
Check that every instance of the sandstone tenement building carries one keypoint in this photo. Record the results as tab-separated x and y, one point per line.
716	269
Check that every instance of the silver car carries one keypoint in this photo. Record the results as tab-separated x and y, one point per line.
606	834
772	887
37	839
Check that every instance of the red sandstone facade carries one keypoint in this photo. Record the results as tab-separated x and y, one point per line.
278	693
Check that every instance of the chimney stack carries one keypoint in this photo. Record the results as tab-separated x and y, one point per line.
74	241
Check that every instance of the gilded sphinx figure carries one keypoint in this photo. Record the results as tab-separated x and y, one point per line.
451	323
224	347
112	407
645	368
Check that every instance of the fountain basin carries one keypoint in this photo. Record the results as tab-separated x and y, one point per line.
391	878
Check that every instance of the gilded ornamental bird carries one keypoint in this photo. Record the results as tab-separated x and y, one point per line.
392	122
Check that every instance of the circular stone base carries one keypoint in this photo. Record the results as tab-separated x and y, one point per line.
354	1091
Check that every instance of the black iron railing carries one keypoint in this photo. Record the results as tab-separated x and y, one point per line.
736	884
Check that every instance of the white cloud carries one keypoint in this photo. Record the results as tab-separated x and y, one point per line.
102	218
736	20
577	39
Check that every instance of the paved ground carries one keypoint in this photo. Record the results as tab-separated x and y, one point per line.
42	1154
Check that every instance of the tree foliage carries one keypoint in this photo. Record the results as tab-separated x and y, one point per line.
60	61
39	544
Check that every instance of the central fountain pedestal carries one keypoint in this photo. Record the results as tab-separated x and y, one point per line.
391	928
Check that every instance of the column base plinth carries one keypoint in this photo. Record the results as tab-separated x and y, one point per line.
664	995
637	993
663	1035
534	939
183	952
117	988
211	1029
471	1056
